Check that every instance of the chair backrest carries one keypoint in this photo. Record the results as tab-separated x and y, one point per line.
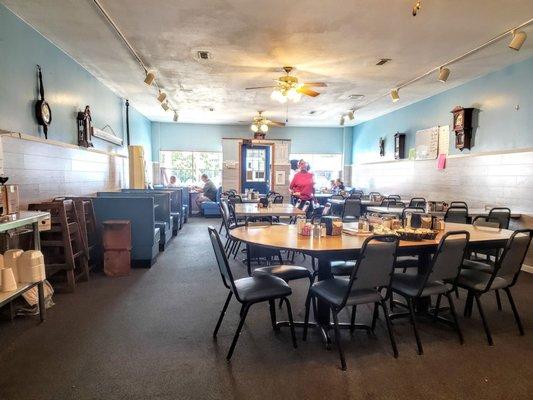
278	199
306	206
337	197
417	202
225	213
298	203
327	209
394	196
510	262
448	258
377	194
375	264
503	214
458	204
456	214
222	260
352	208
235	198
415	210
481	220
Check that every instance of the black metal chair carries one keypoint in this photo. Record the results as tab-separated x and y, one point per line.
278	199
459	204
416	210
502	214
337	197
235	199
249	291
417	202
456	214
327	209
352	210
480	279
372	273
438	279
378	194
395	196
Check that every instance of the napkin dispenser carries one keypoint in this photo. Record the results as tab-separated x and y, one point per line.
263	202
333	225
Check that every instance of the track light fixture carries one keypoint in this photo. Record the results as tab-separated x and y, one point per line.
342	120
444	73
150	78
176	116
165	106
416	8
351	115
162	96
519	37
394	95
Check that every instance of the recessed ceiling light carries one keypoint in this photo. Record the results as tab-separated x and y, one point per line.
383	61
204	55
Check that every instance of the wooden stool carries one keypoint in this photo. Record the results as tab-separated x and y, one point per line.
62	245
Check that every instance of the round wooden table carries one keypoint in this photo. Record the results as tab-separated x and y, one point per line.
347	247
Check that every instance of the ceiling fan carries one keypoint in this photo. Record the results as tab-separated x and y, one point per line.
287	87
261	124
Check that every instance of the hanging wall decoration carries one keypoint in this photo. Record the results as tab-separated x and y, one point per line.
381	147
85	128
462	125
43	112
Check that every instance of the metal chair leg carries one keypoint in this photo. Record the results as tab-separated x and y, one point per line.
306	319
389	328
484	320
437	306
412	317
245	309
375	315
352	320
272	306
237	250
338	339
469	304
221	317
291	322
515	311
454	316
498	300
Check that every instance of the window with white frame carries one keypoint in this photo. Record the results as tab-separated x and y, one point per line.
325	167
188	166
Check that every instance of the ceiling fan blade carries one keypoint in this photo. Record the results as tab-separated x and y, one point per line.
309	92
316	84
259	87
276	123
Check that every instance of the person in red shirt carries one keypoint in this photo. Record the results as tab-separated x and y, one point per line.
303	183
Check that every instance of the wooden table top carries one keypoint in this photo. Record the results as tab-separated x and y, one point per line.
273	210
472	212
286	237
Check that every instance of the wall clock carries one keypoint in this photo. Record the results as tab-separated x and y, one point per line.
43	112
462	125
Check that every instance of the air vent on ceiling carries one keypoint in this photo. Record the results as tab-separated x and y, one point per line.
356	96
383	61
204	55
312	112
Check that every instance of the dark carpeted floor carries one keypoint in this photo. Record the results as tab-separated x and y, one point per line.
148	336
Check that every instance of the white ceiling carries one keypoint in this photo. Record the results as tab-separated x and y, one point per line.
336	41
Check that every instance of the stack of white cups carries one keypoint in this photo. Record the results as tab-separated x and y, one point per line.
18	266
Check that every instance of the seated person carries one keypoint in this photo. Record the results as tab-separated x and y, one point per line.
207	193
173	181
339	184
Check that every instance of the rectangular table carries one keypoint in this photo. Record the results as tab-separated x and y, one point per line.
251	210
472	212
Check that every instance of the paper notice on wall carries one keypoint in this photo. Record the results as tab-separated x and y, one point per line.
281	151
444	139
280	177
441	161
427	143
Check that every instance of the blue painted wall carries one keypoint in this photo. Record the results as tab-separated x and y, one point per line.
204	137
500	126
141	132
68	88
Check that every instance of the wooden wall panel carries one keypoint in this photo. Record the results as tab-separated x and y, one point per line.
44	170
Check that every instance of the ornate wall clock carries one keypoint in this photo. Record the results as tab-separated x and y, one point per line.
43	112
462	125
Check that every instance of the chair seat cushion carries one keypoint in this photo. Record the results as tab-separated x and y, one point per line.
409	284
478	280
342	268
285	272
333	291
477	265
259	288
